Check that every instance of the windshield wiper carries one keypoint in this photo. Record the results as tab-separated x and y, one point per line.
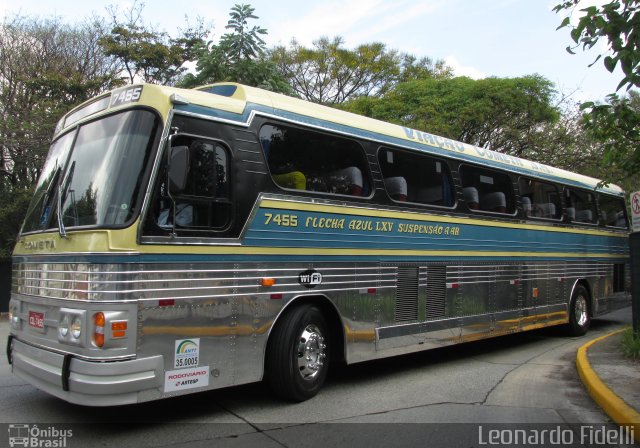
61	230
47	200
62	192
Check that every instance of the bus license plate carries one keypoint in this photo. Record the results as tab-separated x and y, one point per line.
36	320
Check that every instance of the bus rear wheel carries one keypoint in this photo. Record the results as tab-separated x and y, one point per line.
579	319
298	354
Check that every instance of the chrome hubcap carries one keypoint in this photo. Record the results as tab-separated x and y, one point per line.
580	310
311	352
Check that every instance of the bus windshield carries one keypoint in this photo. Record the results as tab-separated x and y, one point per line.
104	162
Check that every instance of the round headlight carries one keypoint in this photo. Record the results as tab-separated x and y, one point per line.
76	327
63	327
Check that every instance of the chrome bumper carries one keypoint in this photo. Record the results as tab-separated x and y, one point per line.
79	381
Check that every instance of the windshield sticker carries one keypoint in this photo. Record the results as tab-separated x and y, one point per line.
187	352
128	95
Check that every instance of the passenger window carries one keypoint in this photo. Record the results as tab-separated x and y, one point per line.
612	211
487	190
540	199
301	159
416	178
581	206
204	202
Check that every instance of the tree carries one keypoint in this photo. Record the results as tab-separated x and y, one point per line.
330	74
616	124
619	23
46	68
412	69
148	55
13	207
569	144
239	56
506	115
243	43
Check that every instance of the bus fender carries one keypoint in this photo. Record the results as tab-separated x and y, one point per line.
585	283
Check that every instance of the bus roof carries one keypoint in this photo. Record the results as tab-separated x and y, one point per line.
238	103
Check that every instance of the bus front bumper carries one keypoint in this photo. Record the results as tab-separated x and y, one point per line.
89	383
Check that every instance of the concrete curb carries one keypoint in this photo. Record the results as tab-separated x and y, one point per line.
614	406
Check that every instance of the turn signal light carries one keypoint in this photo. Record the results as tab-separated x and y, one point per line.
119	329
99	321
267	281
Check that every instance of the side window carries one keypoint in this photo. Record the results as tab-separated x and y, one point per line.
581	206
540	199
612	211
416	178
487	190
203	202
302	159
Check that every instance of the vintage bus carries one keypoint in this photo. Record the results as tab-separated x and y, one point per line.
188	240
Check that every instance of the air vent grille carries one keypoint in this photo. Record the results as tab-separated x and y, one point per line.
407	294
436	291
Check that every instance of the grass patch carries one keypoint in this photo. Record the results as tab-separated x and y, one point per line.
630	345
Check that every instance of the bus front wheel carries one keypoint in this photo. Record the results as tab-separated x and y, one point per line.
579	319
298	354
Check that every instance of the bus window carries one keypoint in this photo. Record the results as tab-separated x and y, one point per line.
612	211
540	199
301	159
487	190
204	202
416	178
581	207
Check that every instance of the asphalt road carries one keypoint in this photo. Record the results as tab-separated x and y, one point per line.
456	396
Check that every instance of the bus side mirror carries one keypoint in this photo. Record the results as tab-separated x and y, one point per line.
178	168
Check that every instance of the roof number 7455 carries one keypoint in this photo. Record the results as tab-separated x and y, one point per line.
129	95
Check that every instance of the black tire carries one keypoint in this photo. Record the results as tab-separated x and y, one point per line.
579	315
298	354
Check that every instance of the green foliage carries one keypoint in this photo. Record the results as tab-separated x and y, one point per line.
46	68
616	124
243	43
239	56
148	55
13	208
619	23
631	344
412	69
328	73
506	115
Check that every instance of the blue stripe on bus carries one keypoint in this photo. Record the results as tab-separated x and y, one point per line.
326	230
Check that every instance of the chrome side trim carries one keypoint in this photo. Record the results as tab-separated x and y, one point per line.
426	327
